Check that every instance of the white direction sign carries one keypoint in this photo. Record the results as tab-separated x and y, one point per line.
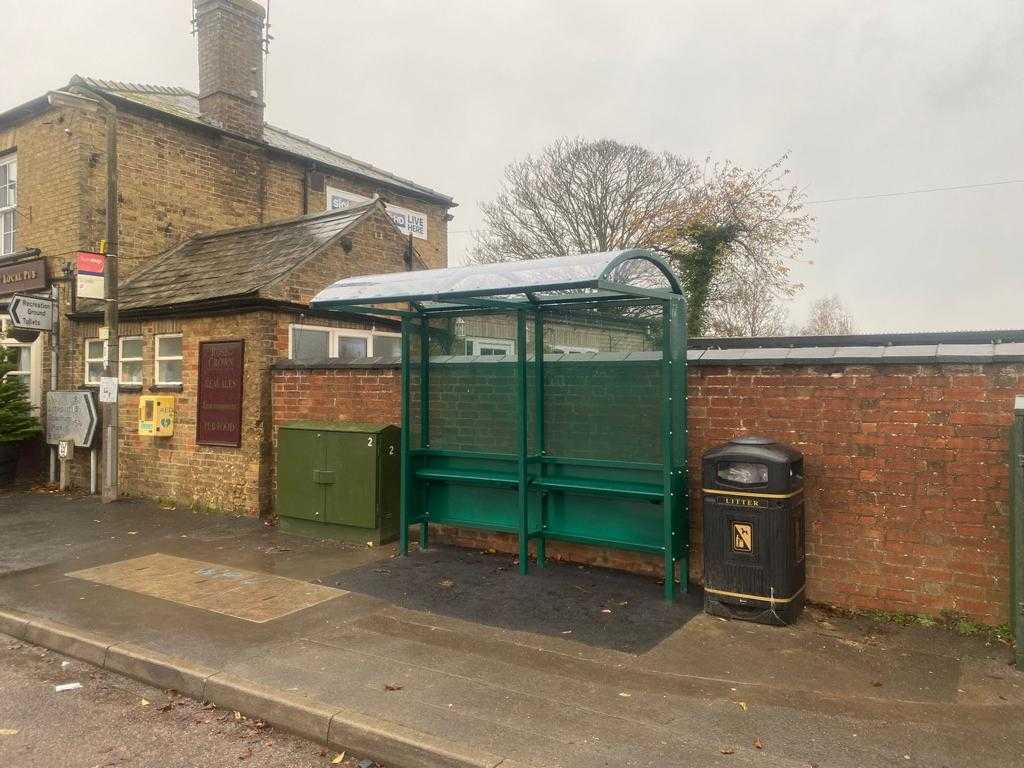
71	416
31	313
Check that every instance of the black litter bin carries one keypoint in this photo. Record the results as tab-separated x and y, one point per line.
754	531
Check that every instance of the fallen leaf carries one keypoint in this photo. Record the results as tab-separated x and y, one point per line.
133	533
606	610
727	751
743	705
392	687
238	715
446	583
758	744
337	760
625	695
8	732
144	703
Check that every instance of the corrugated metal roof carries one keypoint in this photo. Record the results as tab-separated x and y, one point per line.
234	262
184	104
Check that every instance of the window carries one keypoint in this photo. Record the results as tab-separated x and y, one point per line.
8	203
168	359
312	343
563	349
95	360
476	346
130	365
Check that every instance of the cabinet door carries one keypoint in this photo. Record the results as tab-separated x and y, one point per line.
300	455
351	498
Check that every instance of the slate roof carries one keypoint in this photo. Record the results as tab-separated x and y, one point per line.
184	104
235	262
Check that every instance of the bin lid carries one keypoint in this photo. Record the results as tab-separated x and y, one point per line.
339	426
755	447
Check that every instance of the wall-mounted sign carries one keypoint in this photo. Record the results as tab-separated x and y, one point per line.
23	277
219	411
31	313
90	275
408	221
71	415
108	389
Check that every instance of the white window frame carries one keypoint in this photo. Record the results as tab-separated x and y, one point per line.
87	359
121	360
11	161
157	359
35	388
333	334
507	346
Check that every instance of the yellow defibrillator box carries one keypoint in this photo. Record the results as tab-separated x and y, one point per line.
156	415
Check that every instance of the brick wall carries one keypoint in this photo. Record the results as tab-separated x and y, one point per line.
906	468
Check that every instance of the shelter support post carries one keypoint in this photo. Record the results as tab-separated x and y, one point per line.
424	410
680	512
1017	532
666	449
521	441
538	369
405	511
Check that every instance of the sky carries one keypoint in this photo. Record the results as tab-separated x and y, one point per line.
866	98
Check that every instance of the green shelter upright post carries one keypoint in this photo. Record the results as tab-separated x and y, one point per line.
1016	459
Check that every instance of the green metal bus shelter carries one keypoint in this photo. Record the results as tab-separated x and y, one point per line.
531	436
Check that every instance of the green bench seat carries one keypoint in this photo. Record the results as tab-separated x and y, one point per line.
601	487
470	476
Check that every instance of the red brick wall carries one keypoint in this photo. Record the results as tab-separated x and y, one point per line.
906	470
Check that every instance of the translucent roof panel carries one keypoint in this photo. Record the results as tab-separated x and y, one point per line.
637	268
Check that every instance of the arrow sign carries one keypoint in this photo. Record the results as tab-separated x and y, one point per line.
71	415
31	314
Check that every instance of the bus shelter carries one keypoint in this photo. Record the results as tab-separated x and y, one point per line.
544	399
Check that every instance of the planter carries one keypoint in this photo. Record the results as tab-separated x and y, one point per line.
9	454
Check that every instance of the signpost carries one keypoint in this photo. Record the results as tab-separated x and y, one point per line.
31	314
71	415
71	420
90	275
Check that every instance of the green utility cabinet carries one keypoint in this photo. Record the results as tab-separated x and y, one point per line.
339	480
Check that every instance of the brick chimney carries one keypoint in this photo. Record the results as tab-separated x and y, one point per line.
231	64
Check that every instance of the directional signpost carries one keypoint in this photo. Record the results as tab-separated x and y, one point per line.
71	418
31	313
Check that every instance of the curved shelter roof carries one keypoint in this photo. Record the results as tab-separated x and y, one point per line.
636	273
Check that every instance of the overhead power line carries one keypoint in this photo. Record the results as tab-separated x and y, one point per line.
916	191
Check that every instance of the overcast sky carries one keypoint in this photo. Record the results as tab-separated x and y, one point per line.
867	97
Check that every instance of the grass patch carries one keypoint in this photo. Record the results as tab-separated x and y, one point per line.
947	620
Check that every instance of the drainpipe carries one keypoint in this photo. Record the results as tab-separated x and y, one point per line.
92	101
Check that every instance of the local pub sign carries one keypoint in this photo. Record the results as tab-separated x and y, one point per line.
219	411
23	277
409	222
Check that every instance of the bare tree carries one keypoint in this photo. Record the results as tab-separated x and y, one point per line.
744	305
579	196
828	317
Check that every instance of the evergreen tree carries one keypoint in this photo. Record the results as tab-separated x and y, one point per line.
17	422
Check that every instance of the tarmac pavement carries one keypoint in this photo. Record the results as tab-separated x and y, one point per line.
449	657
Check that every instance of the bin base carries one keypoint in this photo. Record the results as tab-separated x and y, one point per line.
779	615
317	530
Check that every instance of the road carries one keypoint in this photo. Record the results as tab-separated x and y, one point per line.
112	721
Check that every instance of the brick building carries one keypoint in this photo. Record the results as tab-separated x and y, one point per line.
198	174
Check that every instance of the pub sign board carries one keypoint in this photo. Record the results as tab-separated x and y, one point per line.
23	277
219	411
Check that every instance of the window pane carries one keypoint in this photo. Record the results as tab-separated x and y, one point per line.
131	372
350	347
309	345
168	372
131	348
24	358
95	370
387	346
94	349
168	346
